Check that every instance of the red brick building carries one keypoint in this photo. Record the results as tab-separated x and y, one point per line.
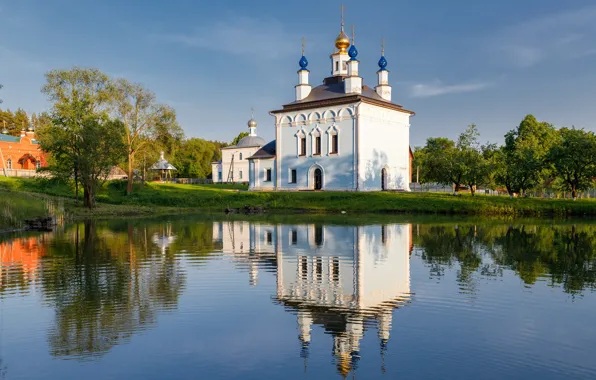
20	156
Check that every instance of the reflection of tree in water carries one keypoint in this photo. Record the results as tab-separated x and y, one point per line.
446	245
564	253
106	285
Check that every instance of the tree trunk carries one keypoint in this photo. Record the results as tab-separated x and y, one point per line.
472	189
89	195
76	179
573	192
130	173
456	188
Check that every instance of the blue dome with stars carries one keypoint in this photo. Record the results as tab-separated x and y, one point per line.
303	63
383	63
353	52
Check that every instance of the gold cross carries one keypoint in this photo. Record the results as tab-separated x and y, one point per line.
383	46
353	38
303	44
342	17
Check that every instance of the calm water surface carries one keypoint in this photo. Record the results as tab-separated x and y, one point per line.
213	299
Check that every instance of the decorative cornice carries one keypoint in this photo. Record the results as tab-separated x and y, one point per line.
340	101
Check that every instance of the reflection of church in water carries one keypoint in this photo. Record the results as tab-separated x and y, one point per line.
343	278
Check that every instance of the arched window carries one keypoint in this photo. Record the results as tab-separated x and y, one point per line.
333	140
38	165
316	141
240	156
9	164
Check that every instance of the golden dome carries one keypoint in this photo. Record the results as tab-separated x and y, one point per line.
342	42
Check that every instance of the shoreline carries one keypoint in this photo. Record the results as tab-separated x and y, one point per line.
23	198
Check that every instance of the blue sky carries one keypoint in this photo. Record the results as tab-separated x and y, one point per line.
453	62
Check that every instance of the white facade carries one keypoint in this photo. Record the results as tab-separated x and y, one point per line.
234	164
340	136
221	170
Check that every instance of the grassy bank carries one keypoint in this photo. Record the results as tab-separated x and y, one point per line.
154	198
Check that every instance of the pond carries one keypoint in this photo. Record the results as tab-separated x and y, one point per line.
303	298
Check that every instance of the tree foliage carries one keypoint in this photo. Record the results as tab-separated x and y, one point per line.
83	142
195	156
238	138
574	159
143	119
524	157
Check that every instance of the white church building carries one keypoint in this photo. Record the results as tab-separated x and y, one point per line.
340	135
233	166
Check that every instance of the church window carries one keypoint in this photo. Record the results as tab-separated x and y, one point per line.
319	268
319	236
9	164
38	165
240	156
334	143
304	267
269	237
303	146
268	175
335	269
219	176
240	174
345	66
318	145
336	65
292	175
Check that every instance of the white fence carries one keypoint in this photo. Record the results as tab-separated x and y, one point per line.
21	173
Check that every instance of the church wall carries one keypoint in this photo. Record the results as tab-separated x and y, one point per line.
329	276
258	172
14	151
338	169
384	142
384	263
239	165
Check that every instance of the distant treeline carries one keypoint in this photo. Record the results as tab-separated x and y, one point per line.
536	157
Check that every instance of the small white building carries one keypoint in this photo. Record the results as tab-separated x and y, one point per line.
341	135
233	166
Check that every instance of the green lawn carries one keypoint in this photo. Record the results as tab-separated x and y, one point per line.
215	198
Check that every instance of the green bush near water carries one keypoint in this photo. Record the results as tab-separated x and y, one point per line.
216	198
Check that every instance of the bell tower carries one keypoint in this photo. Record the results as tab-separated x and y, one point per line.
339	58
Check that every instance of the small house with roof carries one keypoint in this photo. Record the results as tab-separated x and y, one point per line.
233	166
341	135
20	156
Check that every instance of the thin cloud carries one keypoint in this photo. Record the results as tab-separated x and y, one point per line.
560	36
244	36
425	90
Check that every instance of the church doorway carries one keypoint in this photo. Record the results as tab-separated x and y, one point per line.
383	179
318	179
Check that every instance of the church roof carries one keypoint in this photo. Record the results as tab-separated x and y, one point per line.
267	151
8	138
248	142
332	92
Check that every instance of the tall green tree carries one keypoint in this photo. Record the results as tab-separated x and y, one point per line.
80	138
525	163
574	159
193	159
444	162
142	117
476	167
